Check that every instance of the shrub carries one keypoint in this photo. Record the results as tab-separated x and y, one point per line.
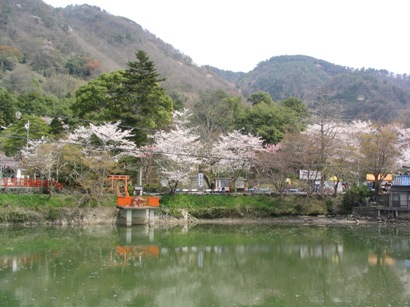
329	205
355	197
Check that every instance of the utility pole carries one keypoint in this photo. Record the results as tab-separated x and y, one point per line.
27	126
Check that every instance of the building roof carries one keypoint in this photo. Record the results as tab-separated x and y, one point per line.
401	180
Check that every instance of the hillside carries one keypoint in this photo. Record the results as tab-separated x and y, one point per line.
366	94
40	48
49	38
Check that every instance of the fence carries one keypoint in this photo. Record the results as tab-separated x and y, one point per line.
29	183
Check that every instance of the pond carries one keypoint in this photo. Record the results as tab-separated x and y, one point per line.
206	265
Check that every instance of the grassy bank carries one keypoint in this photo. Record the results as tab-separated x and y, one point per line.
55	200
238	206
40	208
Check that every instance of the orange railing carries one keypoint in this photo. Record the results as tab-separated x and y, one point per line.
30	183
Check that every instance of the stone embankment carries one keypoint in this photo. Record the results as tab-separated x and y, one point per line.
58	216
164	220
108	216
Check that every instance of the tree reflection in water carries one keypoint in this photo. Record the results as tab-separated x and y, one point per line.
205	265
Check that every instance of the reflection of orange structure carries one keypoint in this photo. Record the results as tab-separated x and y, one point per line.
132	252
17	262
383	259
123	197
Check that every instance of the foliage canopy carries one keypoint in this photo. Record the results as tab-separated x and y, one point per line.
132	96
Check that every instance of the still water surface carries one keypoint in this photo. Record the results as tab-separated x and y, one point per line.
206	265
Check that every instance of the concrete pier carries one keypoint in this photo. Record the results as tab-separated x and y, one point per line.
128	216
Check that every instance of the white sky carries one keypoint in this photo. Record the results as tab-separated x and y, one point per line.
238	34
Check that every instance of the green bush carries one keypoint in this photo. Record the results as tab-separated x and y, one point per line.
355	197
329	205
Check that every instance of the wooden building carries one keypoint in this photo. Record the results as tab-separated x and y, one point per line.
399	200
400	192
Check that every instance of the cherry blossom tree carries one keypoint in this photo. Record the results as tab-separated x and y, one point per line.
93	153
235	154
364	147
403	145
356	144
44	158
107	136
145	162
275	164
379	153
345	161
7	163
334	149
300	153
177	151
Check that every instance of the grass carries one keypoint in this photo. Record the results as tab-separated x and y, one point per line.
40	208
237	206
55	201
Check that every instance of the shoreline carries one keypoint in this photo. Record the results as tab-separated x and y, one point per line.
283	220
108	216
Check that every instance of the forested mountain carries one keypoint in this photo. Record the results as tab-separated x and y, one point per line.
54	51
366	94
363	93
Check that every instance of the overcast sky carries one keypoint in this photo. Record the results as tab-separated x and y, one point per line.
238	34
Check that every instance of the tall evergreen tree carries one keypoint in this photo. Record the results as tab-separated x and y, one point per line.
133	96
146	104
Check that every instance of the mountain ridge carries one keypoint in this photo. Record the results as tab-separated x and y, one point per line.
53	39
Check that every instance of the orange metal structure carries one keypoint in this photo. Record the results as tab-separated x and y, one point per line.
123	197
